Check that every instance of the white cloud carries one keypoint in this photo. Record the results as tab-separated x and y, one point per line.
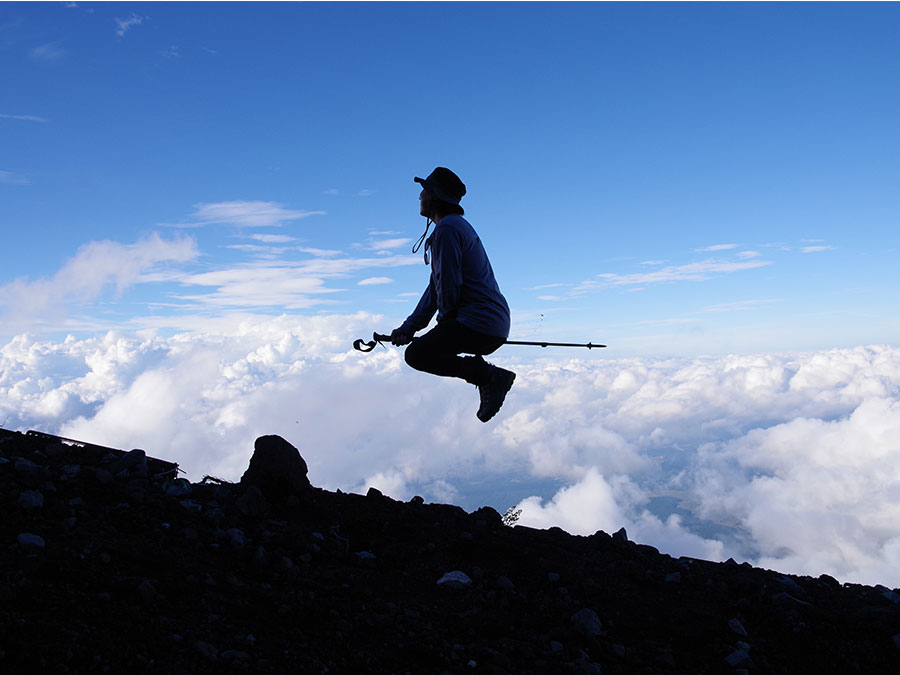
24	118
319	252
281	284
245	214
749	254
790	461
52	51
543	286
816	494
258	250
375	281
273	238
699	271
11	178
124	25
816	249
739	306
262	285
593	504
73	299
718	247
387	244
95	267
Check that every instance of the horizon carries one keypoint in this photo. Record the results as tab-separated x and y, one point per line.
226	190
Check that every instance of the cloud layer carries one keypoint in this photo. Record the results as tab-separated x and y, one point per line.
790	461
95	267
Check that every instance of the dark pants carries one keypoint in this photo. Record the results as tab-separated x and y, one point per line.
438	352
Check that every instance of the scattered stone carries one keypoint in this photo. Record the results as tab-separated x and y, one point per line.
489	516
891	596
737	627
103	476
277	469
180	487
147	592
207	651
188	505
673	578
456	580
30	474
790	583
236	538
621	537
234	657
786	599
31	543
586	622
829	581
506	584
30	500
131	463
252	503
738	657
552	577
374	493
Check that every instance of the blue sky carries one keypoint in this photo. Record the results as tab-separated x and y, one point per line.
667	178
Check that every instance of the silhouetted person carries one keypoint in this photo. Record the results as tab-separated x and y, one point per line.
472	314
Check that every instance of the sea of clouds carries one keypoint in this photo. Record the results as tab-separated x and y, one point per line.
789	461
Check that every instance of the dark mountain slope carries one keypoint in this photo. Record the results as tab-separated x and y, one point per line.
110	564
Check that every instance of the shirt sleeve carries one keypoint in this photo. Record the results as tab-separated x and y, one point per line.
446	269
423	312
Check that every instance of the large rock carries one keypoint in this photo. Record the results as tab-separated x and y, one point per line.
277	469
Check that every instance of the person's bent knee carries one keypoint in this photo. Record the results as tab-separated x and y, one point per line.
414	357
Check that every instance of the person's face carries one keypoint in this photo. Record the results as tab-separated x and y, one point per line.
425	203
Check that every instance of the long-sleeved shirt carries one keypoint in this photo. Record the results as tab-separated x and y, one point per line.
462	283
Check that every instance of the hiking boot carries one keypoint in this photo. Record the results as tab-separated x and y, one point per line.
494	392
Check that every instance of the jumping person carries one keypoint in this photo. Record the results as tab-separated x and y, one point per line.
472	314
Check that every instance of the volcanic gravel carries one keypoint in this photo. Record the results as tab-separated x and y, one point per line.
110	563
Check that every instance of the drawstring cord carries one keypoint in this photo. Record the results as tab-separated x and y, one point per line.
418	244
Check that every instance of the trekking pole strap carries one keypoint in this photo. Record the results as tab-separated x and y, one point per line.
377	339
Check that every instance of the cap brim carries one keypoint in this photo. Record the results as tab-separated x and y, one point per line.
436	191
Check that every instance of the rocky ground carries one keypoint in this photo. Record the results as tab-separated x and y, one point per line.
110	563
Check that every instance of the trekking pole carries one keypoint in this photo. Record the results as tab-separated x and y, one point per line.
589	345
379	339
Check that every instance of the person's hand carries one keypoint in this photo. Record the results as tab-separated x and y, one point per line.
400	338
